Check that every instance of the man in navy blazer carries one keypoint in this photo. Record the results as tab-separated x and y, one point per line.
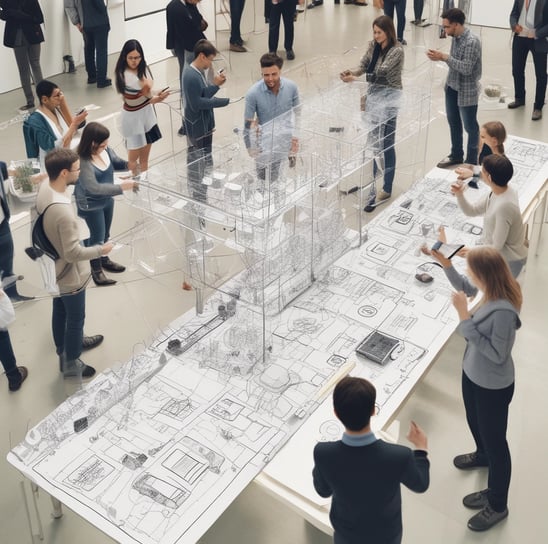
529	23
363	474
199	98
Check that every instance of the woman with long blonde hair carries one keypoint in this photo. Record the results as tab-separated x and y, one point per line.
488	373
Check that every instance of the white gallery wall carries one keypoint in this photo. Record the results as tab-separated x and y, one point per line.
63	38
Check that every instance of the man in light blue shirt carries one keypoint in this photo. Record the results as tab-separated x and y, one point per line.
271	108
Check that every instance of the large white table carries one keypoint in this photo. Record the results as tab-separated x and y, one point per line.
155	450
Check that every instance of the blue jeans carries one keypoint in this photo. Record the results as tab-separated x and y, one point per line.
199	160
98	222
457	117
67	323
6	255
487	417
96	52
400	6
387	135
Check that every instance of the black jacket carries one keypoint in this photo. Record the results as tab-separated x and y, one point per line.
25	15
183	25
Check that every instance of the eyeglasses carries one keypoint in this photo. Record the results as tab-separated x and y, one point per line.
134	58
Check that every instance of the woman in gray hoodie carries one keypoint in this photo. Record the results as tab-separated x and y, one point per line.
488	373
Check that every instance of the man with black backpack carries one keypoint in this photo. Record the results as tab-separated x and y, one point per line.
72	273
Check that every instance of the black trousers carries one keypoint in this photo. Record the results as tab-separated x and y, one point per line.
284	10
520	49
487	416
418	6
6	255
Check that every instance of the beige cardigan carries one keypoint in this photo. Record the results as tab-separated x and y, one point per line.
61	227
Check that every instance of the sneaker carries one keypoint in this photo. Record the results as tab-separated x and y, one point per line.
537	115
90	342
14	382
476	500
77	368
516	104
469	460
485	519
237	48
382	195
290	55
449	161
403	41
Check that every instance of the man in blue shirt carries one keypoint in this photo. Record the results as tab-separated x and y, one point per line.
271	111
363	474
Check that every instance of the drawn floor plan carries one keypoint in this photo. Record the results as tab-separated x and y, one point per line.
153	451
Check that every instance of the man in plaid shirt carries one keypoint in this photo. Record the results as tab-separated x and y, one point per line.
461	88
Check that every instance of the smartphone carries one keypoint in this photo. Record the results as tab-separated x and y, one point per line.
221	71
164	89
82	110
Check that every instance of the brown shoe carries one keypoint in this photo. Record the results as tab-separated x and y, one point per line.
237	48
537	115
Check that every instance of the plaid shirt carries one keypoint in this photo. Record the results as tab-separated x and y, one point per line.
465	68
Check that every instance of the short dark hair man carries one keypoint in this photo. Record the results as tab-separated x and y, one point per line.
363	474
271	108
199	118
461	88
529	23
71	268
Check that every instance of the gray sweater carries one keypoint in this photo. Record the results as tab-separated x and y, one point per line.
490	335
503	226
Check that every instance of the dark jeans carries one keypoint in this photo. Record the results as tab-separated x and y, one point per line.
285	10
520	49
95	52
487	416
457	117
7	357
387	137
67	323
6	256
418	7
400	6
184	58
199	160
98	222
236	10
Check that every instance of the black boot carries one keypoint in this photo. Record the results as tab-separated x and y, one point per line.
111	266
16	377
68	64
98	275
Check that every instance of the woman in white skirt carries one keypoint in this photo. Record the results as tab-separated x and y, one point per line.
138	122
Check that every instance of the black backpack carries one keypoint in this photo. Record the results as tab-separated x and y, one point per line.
40	242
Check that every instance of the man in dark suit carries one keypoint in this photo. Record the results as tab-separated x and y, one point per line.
363	474
529	23
199	97
24	35
185	27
